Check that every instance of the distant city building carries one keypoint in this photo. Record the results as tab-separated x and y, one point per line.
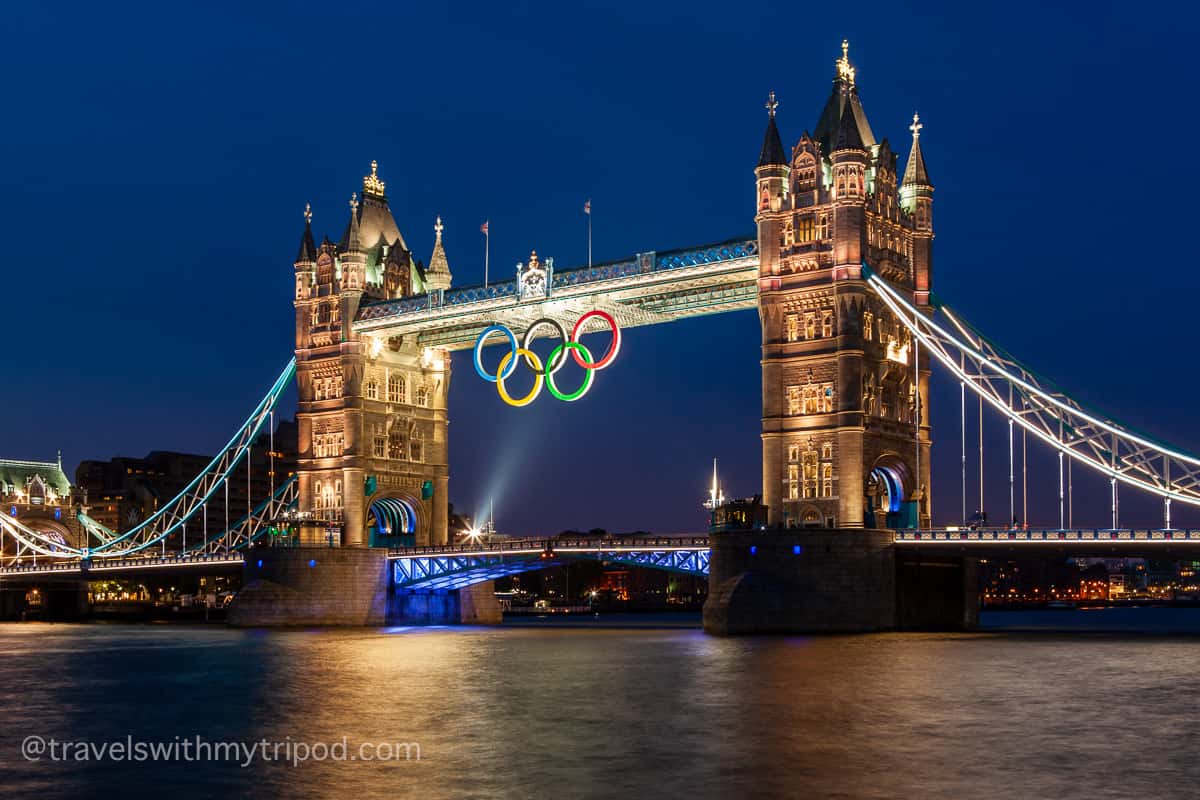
124	491
39	494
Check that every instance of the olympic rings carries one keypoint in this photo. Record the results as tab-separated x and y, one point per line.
588	375
543	374
613	348
554	366
537	378
512	343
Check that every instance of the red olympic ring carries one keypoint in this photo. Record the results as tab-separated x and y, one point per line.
613	348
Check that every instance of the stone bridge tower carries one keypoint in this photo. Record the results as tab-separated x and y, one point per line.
842	392
372	411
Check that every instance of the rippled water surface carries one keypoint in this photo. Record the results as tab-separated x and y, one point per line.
529	712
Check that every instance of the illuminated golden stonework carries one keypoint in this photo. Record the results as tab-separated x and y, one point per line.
845	71
371	183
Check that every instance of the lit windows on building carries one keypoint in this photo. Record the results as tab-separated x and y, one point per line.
827	323
793	483
793	400
827	451
379	446
422	396
372	390
328	445
827	480
792	327
397	446
395	389
810	474
805	230
810	325
868	321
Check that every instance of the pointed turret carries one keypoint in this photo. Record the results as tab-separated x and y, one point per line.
437	275
771	186
914	173
353	240
916	197
308	250
844	95
772	149
848	136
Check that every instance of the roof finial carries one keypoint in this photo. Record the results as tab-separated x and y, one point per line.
60	459
772	104
371	183
437	228
308	213
354	201
845	71
916	125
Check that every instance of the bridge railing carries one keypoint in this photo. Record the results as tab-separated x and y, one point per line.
113	564
1098	535
549	545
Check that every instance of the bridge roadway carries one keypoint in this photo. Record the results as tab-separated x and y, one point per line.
447	566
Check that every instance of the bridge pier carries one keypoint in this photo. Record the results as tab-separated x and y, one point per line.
470	605
343	586
827	580
347	587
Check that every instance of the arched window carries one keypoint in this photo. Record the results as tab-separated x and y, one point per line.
395	389
422	396
372	389
415	447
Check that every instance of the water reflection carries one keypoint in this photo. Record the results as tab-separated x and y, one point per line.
603	713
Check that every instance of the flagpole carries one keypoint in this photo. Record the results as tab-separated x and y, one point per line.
587	209
487	245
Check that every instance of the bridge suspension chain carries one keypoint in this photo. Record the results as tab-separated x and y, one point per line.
1023	398
174	514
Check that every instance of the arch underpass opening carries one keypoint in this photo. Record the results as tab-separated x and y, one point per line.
392	522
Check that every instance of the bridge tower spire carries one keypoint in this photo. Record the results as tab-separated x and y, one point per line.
841	387
372	410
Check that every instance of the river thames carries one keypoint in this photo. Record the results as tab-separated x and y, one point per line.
576	712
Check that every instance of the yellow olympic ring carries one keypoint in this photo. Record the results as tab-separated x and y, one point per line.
531	358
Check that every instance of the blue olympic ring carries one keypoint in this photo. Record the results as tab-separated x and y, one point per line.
512	362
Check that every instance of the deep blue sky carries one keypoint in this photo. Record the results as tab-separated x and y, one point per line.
157	158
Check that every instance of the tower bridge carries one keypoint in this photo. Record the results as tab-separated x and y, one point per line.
840	270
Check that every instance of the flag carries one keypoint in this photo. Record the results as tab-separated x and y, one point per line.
483	228
587	207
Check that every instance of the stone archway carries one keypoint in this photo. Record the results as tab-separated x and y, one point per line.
393	521
889	486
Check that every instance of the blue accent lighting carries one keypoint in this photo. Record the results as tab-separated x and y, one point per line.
260	563
796	549
312	562
753	549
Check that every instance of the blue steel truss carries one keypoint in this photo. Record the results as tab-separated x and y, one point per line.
427	569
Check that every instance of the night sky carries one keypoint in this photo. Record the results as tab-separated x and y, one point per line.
157	159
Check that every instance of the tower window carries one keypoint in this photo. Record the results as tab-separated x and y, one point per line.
397	446
827	480
395	389
810	325
792	327
422	396
868	321
793	400
793	482
827	323
372	389
827	451
804	231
